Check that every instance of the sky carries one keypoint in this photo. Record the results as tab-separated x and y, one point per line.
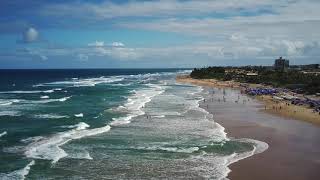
158	33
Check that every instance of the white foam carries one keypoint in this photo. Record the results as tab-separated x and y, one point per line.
52	90
30	92
81	126
89	82
18	174
215	166
78	126
19	92
50	116
50	100
159	116
32	139
170	149
258	147
192	101
120	84
80	155
3	133
9	113
79	115
64	99
7	102
121	121
45	100
135	103
49	148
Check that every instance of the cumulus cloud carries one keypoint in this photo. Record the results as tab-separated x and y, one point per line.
30	35
267	29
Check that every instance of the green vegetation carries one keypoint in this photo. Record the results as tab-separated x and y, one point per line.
293	79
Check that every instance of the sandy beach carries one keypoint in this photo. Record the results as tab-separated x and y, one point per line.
294	148
281	108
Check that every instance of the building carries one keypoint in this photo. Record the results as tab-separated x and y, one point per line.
281	64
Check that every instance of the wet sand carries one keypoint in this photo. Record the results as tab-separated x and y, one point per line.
272	106
294	146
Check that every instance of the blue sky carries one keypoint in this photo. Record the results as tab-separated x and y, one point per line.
157	34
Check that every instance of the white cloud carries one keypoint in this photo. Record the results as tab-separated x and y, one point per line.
117	44
238	48
31	35
286	27
83	57
159	8
119	53
97	44
35	53
289	28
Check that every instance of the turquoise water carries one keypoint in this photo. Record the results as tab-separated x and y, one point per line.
112	124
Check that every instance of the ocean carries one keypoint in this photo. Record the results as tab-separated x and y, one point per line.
111	124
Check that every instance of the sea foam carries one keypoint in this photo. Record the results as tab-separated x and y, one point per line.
170	149
88	82
30	92
10	113
7	102
3	133
50	116
135	103
49	100
49	148
17	174
80	115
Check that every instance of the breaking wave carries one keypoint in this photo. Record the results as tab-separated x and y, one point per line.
18	174
3	133
75	82
50	148
30	92
50	116
135	104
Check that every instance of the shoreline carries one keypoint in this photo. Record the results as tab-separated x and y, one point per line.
280	108
293	151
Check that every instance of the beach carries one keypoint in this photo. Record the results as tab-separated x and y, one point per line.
294	146
277	107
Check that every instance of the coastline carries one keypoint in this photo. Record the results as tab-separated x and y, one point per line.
279	108
293	151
